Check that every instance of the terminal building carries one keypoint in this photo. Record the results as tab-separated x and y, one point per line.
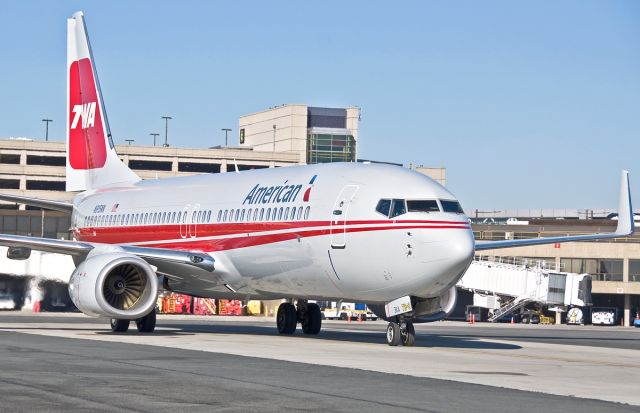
316	134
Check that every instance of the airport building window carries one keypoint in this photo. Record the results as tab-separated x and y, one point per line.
46	160
451	206
634	270
198	167
323	148
10	158
149	165
9	184
46	185
600	269
246	167
429	205
383	207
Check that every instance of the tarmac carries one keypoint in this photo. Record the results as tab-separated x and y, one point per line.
70	362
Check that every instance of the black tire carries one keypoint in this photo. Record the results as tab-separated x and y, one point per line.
312	321
343	316
407	334
286	318
119	326
525	320
393	334
147	323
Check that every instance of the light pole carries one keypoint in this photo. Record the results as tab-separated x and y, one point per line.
129	140
155	135
226	131
274	137
166	130
46	133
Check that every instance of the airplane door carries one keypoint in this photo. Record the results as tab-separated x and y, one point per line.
184	229
193	224
339	216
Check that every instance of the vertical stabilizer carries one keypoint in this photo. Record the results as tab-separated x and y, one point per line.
92	161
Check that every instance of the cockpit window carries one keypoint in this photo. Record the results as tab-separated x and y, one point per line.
384	205
451	206
429	205
397	208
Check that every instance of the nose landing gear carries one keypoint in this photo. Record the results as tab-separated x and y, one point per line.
402	332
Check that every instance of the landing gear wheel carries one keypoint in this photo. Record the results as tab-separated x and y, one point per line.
312	321
119	326
407	334
393	334
147	323
286	318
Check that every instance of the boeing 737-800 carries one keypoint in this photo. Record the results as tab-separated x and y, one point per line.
372	233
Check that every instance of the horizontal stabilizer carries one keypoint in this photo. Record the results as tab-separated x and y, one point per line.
38	202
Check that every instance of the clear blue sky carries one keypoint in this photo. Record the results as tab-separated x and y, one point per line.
527	104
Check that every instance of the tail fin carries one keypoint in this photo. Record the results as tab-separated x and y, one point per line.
92	161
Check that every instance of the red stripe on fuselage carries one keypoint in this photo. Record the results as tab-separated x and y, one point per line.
247	234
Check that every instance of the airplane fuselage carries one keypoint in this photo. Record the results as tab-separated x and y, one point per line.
311	232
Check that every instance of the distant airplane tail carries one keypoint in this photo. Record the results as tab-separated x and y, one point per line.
92	161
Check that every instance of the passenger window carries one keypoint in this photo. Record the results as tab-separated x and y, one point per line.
231	215
224	217
280	214
209	216
397	208
219	215
255	214
242	215
237	215
268	214
383	207
451	206
293	214
429	205
299	213
306	213
261	213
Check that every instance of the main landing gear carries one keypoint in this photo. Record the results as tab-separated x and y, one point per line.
145	324
402	332
308	314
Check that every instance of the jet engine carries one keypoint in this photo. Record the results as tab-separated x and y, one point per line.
114	284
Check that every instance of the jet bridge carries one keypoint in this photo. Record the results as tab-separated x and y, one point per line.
505	287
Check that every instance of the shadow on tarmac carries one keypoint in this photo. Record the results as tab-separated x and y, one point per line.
422	340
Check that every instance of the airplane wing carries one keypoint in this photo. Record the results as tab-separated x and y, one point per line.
38	202
624	229
166	261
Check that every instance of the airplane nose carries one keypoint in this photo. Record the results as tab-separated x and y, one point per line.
461	250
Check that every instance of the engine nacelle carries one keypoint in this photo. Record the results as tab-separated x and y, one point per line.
114	284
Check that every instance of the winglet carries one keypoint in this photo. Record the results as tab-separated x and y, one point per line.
625	210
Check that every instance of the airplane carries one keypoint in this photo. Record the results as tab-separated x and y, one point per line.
373	233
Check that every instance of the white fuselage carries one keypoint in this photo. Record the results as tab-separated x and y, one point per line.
325	241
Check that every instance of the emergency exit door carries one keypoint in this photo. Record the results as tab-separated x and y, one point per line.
339	216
